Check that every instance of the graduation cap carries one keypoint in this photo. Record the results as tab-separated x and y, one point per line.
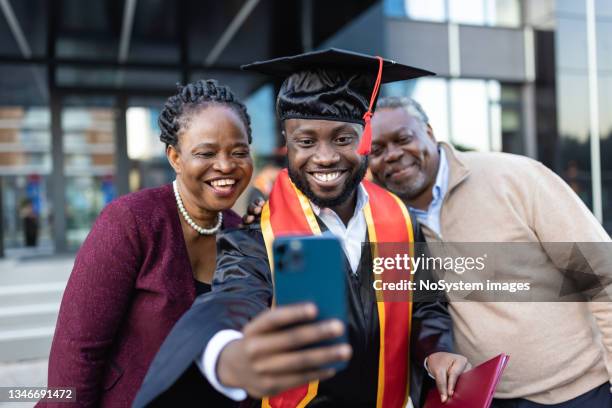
334	85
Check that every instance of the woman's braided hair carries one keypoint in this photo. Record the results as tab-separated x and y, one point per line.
177	111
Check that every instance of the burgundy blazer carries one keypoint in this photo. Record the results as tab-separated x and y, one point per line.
131	282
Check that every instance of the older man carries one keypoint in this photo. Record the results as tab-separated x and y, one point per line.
494	197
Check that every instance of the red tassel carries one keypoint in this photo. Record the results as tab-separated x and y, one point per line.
366	138
365	144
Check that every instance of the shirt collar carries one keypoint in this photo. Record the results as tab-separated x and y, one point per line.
362	200
441	185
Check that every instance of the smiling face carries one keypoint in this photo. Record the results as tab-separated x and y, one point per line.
404	157
323	159
212	158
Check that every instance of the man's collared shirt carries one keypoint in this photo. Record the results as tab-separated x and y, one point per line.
352	235
431	216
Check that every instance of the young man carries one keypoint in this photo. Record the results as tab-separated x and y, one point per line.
242	346
556	358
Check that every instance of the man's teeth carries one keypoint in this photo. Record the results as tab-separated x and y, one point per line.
327	176
223	182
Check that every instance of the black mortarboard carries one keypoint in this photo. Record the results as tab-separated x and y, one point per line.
334	85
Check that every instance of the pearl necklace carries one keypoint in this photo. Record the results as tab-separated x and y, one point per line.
191	222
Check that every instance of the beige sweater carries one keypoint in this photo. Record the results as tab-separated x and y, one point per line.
555	349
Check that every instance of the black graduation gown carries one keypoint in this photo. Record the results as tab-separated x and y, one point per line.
242	288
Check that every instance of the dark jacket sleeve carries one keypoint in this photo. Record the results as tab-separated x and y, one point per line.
432	327
95	301
242	288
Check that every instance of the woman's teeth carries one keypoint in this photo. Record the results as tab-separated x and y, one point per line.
223	182
327	176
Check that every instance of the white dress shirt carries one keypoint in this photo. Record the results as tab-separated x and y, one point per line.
431	216
351	237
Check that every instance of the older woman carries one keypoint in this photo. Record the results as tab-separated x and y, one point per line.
151	252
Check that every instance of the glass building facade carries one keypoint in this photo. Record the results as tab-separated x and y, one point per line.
584	102
81	88
552	101
79	98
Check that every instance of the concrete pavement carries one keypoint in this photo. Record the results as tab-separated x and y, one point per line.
31	288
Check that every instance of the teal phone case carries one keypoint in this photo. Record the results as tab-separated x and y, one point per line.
311	269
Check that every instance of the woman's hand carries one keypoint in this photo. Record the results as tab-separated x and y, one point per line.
253	212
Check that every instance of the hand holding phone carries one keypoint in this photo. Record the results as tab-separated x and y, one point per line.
271	357
304	337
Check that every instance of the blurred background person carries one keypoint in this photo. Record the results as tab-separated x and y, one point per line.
264	178
30	223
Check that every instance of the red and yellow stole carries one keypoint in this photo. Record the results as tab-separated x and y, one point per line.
288	212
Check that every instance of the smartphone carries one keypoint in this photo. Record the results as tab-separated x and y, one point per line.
311	269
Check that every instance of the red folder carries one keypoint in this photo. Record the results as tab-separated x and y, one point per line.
474	388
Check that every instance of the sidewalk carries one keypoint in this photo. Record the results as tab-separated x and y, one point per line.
30	292
35	269
31	373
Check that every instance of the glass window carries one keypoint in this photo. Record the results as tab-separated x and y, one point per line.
604	49
25	166
467	11
540	14
25	157
432	94
571	45
604	61
425	10
511	131
143	134
260	106
150	168
89	140
88	126
394	8
485	12
603	8
571	145
565	7
469	114
495	116
505	13
574	157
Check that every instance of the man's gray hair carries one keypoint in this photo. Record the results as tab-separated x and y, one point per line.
413	107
